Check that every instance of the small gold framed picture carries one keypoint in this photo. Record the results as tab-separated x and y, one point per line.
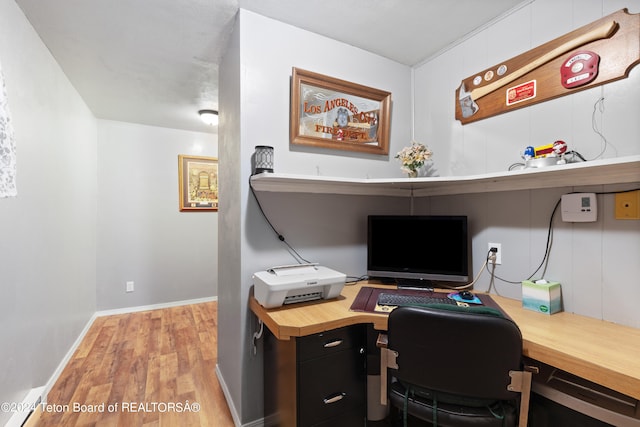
198	183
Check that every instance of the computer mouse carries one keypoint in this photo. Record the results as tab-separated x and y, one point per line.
466	295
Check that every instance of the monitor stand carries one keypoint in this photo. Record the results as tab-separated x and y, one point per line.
419	284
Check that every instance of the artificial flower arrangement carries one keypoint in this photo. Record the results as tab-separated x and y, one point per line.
413	157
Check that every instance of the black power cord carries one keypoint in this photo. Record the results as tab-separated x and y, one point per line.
545	258
299	259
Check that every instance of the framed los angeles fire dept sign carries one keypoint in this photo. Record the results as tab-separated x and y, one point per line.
336	114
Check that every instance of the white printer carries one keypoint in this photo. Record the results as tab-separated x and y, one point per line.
296	283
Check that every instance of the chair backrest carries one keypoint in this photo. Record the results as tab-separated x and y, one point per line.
463	353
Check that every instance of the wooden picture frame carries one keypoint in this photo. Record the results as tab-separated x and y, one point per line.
336	114
198	183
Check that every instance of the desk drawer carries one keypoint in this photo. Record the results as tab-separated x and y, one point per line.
332	387
329	342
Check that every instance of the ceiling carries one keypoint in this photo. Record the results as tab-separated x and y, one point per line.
155	62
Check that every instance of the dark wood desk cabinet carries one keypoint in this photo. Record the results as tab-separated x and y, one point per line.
316	380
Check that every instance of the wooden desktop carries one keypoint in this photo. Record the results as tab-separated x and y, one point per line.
602	352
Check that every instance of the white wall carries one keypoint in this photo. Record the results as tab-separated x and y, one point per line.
47	232
255	83
142	235
591	260
230	314
495	143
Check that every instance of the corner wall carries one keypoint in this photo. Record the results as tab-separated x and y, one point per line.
254	96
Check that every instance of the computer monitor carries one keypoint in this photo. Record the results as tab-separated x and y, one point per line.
417	250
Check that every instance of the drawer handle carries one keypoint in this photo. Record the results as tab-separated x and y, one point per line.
335	398
333	343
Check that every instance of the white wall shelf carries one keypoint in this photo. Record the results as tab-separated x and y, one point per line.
599	172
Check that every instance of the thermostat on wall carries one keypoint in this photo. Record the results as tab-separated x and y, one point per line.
579	207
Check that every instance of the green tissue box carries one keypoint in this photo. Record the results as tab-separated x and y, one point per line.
542	296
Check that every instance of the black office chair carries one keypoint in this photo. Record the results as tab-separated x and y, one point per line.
455	367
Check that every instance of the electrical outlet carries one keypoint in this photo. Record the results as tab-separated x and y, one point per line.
129	287
498	246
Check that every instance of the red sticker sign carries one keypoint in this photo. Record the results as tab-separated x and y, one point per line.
521	92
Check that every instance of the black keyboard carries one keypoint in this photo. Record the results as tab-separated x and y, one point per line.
399	300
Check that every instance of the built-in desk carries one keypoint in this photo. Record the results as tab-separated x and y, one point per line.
599	351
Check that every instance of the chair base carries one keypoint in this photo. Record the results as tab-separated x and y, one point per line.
449	414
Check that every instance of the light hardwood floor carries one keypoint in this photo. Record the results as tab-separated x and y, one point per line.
151	368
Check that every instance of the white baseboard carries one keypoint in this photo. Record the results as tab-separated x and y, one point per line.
154	306
28	405
227	396
67	357
232	408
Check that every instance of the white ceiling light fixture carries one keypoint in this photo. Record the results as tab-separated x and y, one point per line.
210	117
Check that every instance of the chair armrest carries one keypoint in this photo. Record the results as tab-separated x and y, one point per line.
521	382
382	341
387	360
